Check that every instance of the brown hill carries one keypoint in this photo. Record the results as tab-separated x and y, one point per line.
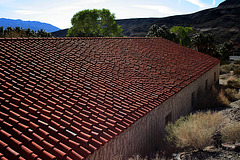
223	22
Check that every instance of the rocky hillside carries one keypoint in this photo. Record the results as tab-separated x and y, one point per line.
223	21
229	4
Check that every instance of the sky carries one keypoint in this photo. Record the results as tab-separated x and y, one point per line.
60	12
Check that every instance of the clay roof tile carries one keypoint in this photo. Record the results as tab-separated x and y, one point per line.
63	98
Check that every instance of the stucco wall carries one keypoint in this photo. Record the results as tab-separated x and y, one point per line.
147	133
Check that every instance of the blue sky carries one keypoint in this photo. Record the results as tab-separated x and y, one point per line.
60	12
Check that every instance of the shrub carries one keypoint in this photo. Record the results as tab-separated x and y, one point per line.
233	82
231	94
237	72
231	133
194	131
214	98
237	62
224	69
138	157
222	99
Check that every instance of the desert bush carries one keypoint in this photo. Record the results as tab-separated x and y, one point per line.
237	62
224	69
231	132
233	82
236	72
138	157
194	131
222	99
223	76
214	98
231	94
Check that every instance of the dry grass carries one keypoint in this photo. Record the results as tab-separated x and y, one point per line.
236	72
237	62
222	99
138	157
214	98
223	76
231	133
232	94
194	131
233	82
224	69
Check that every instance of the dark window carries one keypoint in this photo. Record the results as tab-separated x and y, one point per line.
215	76
206	84
168	118
193	99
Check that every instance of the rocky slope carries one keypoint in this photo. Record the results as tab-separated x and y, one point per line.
223	22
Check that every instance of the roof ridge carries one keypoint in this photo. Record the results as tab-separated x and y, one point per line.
57	38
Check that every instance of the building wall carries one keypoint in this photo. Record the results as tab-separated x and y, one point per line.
147	133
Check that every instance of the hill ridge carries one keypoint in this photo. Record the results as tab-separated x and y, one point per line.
33	25
222	21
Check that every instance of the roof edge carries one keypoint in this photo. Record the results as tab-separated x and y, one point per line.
57	38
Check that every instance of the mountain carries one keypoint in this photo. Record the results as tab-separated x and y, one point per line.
33	25
60	33
229	4
222	21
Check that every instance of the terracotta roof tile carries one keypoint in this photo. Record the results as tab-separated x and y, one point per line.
63	98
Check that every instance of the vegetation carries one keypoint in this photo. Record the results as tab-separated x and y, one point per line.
224	69
182	34
203	43
223	50
194	131
237	72
231	133
138	157
186	36
94	23
216	97
19	32
231	94
222	99
163	31
234	83
237	62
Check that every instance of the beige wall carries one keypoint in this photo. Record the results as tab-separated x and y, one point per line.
147	133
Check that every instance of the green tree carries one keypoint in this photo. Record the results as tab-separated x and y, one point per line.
204	43
19	32
94	23
8	32
183	34
163	31
223	51
153	31
18	29
42	33
1	31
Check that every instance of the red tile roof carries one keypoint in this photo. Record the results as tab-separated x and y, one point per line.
63	98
